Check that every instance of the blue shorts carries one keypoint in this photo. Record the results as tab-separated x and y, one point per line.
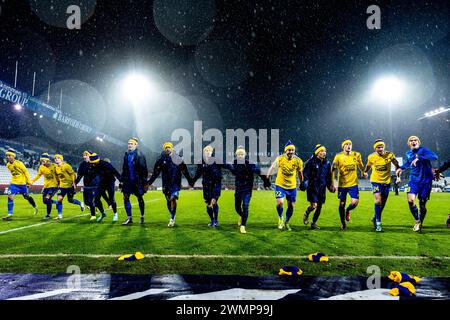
171	194
291	194
352	191
18	188
382	188
49	192
422	190
212	192
66	191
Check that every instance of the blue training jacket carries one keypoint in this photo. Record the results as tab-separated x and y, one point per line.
244	173
171	172
422	172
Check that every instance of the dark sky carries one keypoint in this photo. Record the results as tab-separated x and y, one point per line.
304	67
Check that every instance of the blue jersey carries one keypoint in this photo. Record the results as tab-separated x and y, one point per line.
422	172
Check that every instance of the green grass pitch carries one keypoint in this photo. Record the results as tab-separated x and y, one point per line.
259	252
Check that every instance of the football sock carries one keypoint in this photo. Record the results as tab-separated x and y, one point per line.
280	211
317	214
209	210
378	210
289	213
141	206
244	214
342	214
49	207
216	212
423	213
114	207
31	201
350	207
414	211
128	208
173	212
59	207
10	206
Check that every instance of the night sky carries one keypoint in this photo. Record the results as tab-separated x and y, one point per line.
304	67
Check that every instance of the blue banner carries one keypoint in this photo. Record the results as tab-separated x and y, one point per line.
31	103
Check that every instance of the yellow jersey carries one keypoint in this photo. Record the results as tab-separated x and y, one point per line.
287	171
50	177
381	167
347	166
65	174
19	173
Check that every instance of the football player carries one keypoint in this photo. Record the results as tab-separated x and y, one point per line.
171	177
244	172
19	183
211	174
288	166
418	160
317	178
66	177
438	175
51	182
346	163
134	179
380	178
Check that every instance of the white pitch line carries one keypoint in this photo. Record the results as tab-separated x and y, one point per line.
48	222
138	295
44	294
40	224
195	256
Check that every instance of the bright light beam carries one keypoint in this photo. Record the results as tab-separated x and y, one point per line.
388	88
137	88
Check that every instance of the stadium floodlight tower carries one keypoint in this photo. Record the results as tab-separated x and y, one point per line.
388	89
